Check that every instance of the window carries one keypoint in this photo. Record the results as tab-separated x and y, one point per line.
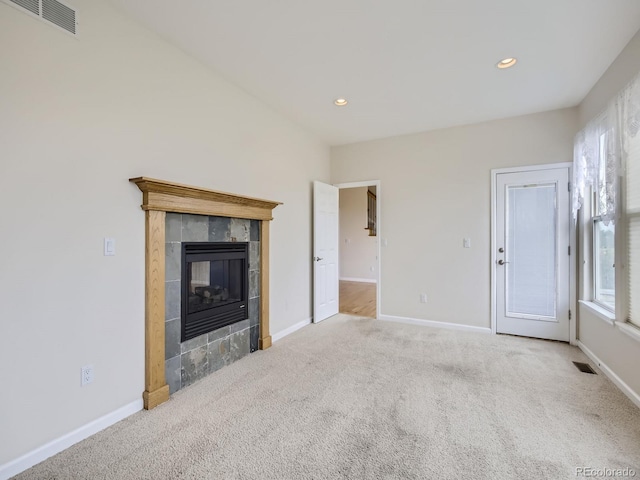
633	226
606	162
603	240
603	264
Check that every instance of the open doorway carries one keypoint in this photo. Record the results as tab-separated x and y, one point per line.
359	248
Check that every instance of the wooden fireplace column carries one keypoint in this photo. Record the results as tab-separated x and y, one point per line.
158	198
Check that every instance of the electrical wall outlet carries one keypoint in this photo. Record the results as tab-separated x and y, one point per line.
86	375
423	298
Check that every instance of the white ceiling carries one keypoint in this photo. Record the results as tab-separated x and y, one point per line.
404	65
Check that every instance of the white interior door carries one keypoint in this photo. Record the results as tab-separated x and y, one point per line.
532	253
325	251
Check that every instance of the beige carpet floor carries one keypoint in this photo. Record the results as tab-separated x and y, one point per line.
360	398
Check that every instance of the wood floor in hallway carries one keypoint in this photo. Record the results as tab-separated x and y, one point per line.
358	298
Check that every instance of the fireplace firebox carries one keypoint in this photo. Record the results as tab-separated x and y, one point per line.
215	286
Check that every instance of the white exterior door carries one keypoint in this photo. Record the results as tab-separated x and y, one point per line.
532	257
325	251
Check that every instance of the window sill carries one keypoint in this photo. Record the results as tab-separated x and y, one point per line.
630	330
600	312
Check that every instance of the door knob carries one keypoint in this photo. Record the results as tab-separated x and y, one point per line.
317	259
501	262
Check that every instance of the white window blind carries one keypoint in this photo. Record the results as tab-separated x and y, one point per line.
633	217
531	250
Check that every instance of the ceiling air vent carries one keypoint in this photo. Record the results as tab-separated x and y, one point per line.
61	15
32	5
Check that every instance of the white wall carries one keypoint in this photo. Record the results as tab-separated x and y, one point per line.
619	73
78	118
357	249
619	352
436	192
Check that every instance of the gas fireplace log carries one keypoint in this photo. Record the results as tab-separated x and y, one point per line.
209	291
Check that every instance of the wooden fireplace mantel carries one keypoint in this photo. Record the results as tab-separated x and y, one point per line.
158	198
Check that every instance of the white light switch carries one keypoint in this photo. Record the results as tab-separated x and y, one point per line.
384	242
109	247
466	242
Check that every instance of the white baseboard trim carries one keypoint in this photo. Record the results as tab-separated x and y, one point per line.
288	331
362	280
431	323
617	381
47	450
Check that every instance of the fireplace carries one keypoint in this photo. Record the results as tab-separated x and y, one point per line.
162	325
215	286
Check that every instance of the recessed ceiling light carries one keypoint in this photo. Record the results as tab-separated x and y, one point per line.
506	62
340	102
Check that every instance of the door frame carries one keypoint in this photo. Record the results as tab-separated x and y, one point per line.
370	183
572	243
